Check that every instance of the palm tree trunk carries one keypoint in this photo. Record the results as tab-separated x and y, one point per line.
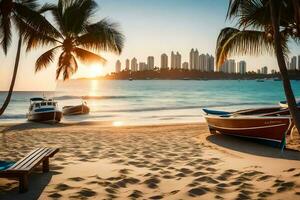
282	66
12	84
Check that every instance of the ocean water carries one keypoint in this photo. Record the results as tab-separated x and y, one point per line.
152	101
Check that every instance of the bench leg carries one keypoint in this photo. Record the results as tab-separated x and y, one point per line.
46	165
23	183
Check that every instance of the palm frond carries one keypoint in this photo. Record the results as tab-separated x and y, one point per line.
88	57
67	65
103	35
233	8
45	59
31	37
47	7
36	20
31	4
76	15
5	28
232	41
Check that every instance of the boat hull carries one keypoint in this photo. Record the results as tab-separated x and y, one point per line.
76	110
54	117
271	129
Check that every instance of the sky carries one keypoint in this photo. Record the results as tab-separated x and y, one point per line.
151	28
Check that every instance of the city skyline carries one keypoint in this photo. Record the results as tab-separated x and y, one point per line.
149	30
203	62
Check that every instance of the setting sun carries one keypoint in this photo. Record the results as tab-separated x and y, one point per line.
94	71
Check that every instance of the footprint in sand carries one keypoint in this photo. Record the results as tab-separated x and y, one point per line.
196	192
77	179
152	182
85	193
157	197
63	187
136	194
55	195
264	178
265	194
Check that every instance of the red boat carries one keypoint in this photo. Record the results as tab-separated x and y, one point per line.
268	129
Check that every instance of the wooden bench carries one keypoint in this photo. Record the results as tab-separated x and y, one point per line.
26	165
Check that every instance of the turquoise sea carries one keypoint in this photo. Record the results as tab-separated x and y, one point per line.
152	101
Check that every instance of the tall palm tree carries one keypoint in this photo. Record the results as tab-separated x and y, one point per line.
263	26
77	35
23	14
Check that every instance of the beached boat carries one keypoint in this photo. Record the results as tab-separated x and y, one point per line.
268	129
264	111
284	104
43	110
76	110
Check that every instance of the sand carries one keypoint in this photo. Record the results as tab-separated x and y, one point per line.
182	161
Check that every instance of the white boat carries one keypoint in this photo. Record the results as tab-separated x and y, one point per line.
284	104
43	110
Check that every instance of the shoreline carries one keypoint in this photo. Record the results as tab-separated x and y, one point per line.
174	161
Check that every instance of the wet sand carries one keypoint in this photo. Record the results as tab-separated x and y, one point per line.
183	161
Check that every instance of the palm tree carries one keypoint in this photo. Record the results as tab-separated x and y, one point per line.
263	26
77	35
23	14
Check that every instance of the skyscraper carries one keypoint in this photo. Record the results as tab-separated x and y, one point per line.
196	60
192	59
225	67
264	70
298	62
185	65
242	67
127	64
201	62
134	65
231	66
150	63
211	67
293	63
142	66
177	61
172	60
164	61
118	66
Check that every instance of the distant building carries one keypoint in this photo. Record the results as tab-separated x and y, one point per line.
164	61
177	61
127	64
298	62
225	67
192	59
134	65
231	66
142	66
150	63
173	60
211	66
201	62
196	60
264	70
242	67
185	65
293	64
118	66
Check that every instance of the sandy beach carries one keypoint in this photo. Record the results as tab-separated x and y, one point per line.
181	161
